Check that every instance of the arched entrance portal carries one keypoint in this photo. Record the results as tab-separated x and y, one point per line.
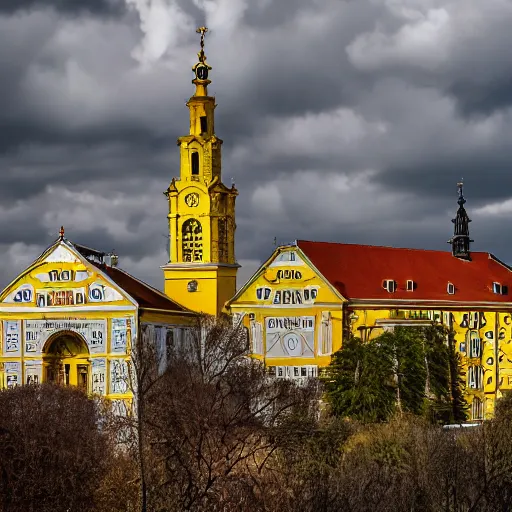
66	360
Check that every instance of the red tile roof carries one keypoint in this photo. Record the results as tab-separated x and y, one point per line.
358	271
145	295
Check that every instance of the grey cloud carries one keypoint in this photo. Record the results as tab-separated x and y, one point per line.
88	138
68	7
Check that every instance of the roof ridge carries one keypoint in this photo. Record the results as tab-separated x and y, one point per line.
350	244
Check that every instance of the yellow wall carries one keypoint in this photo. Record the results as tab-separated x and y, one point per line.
293	316
215	285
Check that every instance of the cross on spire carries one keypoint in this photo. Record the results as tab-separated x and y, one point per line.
202	31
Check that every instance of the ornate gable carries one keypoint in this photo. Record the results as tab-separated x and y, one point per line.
287	279
62	277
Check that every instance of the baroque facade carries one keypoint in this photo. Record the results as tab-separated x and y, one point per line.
310	296
72	318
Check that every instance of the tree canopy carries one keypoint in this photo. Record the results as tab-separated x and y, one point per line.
409	369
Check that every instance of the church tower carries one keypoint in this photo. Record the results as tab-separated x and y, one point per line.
460	240
201	273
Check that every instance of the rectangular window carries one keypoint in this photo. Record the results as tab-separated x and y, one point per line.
195	163
477	409
475	347
256	337
450	288
410	285
325	341
204	124
475	377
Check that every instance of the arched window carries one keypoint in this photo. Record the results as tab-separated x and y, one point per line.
195	163
192	244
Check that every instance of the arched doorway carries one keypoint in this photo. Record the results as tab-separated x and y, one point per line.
66	360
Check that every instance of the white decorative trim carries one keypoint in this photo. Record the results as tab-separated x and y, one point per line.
248	305
415	303
74	309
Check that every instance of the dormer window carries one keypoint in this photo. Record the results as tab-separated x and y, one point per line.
450	288
410	285
499	289
389	285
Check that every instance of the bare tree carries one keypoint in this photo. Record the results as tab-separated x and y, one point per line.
212	421
53	454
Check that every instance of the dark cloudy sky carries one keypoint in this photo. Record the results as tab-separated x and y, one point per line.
342	120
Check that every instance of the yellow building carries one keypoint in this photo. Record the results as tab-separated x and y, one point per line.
201	272
309	296
72	318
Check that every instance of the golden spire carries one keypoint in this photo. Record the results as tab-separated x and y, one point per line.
61	233
202	68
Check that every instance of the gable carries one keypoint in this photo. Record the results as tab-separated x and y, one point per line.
287	278
62	277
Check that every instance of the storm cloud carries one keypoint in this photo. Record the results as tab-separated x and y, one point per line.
345	121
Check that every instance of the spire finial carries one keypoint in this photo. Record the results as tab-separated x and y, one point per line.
202	68
460	185
61	233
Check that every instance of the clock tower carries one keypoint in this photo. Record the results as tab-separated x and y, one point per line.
201	272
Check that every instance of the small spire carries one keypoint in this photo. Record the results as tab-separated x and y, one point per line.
461	241
61	233
201	68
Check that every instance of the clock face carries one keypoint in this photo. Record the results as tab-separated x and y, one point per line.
202	72
192	200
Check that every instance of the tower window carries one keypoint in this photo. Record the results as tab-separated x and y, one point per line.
192	232
195	163
204	124
223	239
